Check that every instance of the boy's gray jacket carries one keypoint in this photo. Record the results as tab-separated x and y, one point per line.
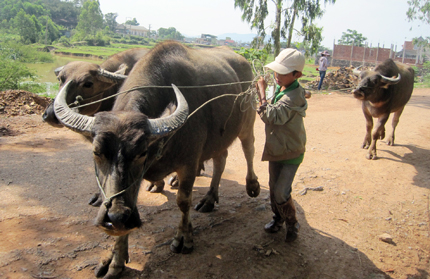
285	130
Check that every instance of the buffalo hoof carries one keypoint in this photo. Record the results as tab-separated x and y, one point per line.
370	156
178	246
174	182
252	188
155	187
390	141
104	270
96	200
204	206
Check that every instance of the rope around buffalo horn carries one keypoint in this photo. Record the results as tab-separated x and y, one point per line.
251	91
166	87
264	73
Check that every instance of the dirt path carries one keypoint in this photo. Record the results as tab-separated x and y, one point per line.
47	177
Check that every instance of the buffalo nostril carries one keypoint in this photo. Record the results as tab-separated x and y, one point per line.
118	218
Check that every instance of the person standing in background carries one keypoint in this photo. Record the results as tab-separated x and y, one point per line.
323	64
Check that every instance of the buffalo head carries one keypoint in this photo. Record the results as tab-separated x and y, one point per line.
125	143
372	84
88	81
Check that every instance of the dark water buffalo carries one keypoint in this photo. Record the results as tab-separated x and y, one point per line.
147	135
384	90
93	82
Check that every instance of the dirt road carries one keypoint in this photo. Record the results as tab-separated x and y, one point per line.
47	178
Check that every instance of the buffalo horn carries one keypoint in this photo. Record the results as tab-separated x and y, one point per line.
58	70
69	118
391	80
166	125
110	77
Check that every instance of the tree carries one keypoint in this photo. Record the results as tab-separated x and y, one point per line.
286	12
169	34
27	26
132	22
110	21
419	10
352	37
64	13
50	31
90	20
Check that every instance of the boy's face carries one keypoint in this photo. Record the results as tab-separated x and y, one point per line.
288	79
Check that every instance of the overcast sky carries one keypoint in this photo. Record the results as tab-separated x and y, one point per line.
381	21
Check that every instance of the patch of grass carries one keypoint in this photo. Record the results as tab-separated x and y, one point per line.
44	89
424	84
98	50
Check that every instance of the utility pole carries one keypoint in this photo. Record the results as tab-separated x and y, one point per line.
125	25
149	31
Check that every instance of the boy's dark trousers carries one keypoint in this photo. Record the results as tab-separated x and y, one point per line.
281	179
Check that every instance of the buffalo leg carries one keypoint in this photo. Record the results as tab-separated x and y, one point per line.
396	117
247	139
183	240
173	180
208	202
111	266
377	133
96	200
369	127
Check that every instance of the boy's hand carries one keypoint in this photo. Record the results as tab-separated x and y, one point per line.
261	90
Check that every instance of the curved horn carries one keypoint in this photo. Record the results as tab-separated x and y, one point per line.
110	77
69	118
391	80
166	125
58	70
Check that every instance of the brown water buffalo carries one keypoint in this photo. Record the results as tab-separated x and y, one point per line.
153	130
384	90
93	82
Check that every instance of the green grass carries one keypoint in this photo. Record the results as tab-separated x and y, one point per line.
425	84
98	50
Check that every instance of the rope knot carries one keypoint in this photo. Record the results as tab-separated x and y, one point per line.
108	203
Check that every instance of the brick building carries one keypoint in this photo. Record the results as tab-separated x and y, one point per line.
346	55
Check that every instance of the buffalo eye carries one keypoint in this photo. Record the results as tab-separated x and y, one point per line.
96	153
88	84
61	79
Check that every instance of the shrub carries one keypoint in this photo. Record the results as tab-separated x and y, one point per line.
12	73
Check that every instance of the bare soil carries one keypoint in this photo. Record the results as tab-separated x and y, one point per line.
47	178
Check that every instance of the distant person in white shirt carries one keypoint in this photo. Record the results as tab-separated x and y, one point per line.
323	64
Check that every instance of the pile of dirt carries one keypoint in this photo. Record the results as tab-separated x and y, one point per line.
335	80
20	102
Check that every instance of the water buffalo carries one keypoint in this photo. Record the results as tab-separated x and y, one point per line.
384	90
148	135
93	82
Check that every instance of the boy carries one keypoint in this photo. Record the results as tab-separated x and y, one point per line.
285	137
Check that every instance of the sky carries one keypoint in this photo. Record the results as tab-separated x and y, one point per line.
382	22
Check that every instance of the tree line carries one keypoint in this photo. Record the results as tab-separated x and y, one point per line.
48	21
